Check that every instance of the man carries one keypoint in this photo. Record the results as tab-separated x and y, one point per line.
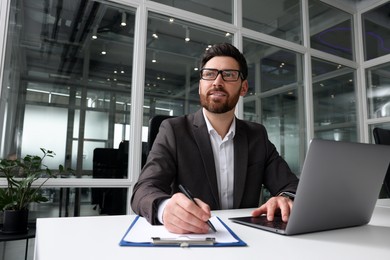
222	160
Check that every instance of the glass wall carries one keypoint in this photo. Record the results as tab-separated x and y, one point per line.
378	91
69	81
331	30
275	97
283	20
376	37
173	52
215	9
376	32
334	101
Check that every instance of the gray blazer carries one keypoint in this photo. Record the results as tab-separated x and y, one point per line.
182	154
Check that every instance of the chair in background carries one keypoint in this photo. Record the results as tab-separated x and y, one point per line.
110	163
154	126
382	136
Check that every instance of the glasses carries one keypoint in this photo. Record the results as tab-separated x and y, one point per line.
227	75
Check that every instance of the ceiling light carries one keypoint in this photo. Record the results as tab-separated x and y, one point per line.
123	22
227	34
187	39
104	51
154	60
171	20
155	36
196	65
94	33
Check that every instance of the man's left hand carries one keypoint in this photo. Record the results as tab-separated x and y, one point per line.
278	204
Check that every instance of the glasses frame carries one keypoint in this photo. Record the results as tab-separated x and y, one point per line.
220	72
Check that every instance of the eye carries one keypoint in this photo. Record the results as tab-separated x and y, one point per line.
228	74
209	73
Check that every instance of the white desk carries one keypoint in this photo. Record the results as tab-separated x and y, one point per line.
97	238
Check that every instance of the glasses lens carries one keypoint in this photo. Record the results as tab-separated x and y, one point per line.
209	74
227	75
230	75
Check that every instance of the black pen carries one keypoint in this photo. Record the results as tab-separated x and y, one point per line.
189	195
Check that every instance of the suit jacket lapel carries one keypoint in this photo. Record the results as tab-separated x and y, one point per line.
202	139
240	163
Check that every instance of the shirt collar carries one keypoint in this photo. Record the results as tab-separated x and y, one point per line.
230	134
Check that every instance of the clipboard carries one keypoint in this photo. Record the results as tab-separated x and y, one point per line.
143	234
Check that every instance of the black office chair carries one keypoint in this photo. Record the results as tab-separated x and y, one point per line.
154	126
382	136
110	163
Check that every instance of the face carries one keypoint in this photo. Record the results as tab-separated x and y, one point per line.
219	96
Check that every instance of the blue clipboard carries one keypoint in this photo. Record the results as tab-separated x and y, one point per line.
205	242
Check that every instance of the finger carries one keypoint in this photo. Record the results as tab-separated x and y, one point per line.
199	209
259	211
177	225
267	208
180	216
285	208
205	208
271	208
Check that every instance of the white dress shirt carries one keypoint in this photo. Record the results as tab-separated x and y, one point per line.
223	150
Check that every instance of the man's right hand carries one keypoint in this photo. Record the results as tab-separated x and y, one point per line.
182	216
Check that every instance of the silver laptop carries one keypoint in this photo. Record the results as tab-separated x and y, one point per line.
339	186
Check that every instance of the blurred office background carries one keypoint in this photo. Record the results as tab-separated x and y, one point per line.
84	77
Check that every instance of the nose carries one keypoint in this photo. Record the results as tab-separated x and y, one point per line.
218	80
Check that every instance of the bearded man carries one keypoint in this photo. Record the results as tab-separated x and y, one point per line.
222	160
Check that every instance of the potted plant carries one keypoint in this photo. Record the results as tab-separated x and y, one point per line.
20	191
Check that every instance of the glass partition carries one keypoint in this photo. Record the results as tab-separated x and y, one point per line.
331	30
68	202
283	20
275	97
173	52
214	9
378	91
334	101
67	80
376	32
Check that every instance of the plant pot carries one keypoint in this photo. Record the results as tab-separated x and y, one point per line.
15	221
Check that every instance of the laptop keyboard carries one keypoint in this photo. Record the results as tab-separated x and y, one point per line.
277	223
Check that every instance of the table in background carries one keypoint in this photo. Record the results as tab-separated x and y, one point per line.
383	203
4	237
98	237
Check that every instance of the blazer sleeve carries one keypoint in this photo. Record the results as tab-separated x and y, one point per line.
157	176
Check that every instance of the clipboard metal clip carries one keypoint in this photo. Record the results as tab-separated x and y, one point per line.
208	241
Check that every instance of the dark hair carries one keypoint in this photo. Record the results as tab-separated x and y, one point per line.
226	49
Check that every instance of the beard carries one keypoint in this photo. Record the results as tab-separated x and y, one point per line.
219	106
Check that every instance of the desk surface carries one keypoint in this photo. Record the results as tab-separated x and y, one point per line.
98	237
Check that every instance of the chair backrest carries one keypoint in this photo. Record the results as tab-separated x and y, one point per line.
154	125
382	136
105	163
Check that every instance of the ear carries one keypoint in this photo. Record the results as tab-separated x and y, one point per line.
244	88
